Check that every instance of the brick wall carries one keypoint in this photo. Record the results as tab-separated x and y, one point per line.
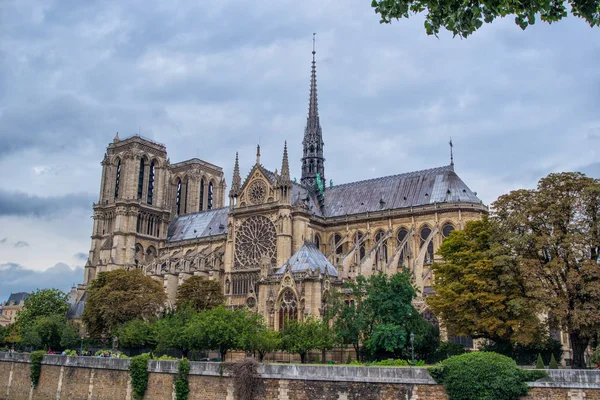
93	378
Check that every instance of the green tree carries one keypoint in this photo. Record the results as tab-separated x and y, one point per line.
200	294
377	316
463	19
44	333
69	336
258	338
554	233
300	337
42	303
216	329
171	330
136	334
3	334
119	296
479	291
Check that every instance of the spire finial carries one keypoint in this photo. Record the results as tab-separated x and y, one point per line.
258	154
451	152
314	46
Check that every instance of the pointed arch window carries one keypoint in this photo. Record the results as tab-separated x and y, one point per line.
151	183
184	195
362	251
201	208
178	199
288	310
425	232
382	252
447	229
141	179
118	180
318	242
402	233
210	196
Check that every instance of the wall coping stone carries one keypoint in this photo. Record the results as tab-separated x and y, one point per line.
569	378
14	357
121	364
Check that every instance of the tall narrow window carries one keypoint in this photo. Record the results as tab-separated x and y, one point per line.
425	232
178	200
141	179
151	183
382	251
201	208
318	242
401	236
362	251
336	240
210	196
118	180
185	196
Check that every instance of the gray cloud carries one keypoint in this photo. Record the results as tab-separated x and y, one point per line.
23	204
16	278
81	256
3	240
20	244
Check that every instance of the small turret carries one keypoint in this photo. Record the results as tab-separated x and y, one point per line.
236	182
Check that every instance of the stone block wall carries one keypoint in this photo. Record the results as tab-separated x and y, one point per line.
90	378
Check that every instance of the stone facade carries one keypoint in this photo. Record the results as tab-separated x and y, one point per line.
108	379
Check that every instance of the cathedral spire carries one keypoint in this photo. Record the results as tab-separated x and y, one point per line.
236	182
285	165
313	160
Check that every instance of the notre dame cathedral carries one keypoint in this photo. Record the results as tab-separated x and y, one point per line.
280	245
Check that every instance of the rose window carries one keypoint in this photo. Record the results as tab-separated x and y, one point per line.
255	241
257	192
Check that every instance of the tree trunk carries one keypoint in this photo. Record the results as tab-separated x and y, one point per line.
323	356
357	351
578	343
302	357
261	356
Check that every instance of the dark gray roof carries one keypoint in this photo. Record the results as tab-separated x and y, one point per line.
436	185
198	225
308	257
16	297
76	310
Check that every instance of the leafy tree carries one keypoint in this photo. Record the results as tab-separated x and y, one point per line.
3	334
171	330
258	338
463	19
136	334
42	303
299	337
554	233
200	294
69	336
216	329
119	296
479	291
378	316
44	333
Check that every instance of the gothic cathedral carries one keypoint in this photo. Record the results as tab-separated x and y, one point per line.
280	245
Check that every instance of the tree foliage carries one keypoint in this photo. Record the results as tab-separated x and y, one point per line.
463	19
216	329
554	233
199	293
377	315
136	333
258	338
300	337
42	303
479	291
119	296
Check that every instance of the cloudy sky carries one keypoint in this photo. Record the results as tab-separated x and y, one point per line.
209	78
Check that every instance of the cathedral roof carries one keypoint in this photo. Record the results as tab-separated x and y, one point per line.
16	298
418	188
198	225
308	257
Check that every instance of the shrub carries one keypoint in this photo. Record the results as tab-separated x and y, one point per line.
595	358
167	357
138	370
349	359
483	376
36	366
553	363
540	363
182	387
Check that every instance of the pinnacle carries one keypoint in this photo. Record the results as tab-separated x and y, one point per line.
285	165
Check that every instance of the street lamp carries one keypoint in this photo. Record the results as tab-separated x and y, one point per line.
412	347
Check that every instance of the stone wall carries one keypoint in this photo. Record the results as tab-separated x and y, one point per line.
98	378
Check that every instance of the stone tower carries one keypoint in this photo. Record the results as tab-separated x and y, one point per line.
132	214
313	162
